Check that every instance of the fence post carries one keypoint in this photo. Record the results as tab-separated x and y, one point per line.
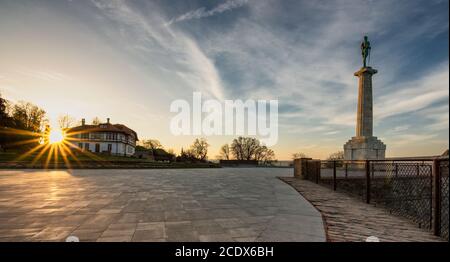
318	166
396	169
437	197
346	169
334	175
368	181
431	195
307	170
372	168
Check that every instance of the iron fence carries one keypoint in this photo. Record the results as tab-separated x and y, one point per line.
404	188
444	199
413	188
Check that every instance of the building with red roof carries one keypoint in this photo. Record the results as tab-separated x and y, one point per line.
114	139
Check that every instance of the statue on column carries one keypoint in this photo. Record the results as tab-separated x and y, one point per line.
365	50
364	145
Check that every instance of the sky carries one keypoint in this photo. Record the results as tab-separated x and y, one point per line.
128	60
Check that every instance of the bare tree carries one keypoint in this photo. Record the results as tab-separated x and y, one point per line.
299	155
151	144
237	148
200	149
96	121
263	153
245	148
66	121
248	148
224	152
269	155
336	156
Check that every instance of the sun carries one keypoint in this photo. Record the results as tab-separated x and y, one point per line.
50	144
56	136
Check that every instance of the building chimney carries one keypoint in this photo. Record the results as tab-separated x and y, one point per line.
107	120
83	121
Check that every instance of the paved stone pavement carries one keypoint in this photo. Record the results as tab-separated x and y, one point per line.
228	204
350	219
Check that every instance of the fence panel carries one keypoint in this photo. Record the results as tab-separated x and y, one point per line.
350	177
404	188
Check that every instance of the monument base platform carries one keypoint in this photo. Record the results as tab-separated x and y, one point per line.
364	148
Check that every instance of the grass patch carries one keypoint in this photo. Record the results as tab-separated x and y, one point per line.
13	160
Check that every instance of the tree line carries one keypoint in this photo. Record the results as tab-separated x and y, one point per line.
197	152
333	156
241	148
23	124
20	123
246	148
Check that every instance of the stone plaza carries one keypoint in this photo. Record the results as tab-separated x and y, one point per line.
224	204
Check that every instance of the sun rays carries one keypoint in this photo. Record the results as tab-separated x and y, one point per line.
49	149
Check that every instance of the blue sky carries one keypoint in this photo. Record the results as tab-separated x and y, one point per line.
129	59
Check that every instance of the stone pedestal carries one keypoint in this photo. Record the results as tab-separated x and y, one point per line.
364	145
364	148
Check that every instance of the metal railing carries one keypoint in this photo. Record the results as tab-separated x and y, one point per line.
413	188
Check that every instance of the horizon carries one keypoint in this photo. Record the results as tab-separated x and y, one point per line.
129	60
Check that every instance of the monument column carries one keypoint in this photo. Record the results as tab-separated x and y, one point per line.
364	115
364	145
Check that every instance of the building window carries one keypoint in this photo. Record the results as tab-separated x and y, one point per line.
80	145
85	135
109	148
96	136
109	136
97	148
86	146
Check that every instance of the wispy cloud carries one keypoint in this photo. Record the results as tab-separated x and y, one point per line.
202	12
45	75
405	139
411	96
147	40
439	116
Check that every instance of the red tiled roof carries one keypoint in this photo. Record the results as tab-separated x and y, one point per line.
106	127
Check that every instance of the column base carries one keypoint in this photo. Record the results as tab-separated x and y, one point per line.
364	148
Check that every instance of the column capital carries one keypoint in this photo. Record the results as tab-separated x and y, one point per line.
366	70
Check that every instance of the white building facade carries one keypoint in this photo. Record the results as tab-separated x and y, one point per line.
106	138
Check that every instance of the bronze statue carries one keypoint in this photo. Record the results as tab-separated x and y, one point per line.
365	50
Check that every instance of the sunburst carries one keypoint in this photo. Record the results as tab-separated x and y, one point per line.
48	147
56	136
